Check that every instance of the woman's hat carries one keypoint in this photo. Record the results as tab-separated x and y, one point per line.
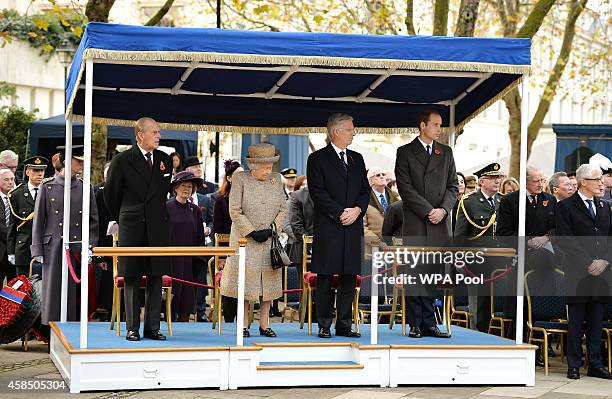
230	166
184	176
262	153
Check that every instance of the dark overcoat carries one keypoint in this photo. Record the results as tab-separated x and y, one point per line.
540	220
136	198
301	215
426	182
584	240
337	249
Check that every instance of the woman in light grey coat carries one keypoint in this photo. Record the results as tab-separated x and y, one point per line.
47	239
257	199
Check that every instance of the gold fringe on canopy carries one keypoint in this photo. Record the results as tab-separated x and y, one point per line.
250	129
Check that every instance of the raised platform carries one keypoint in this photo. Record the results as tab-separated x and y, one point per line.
195	356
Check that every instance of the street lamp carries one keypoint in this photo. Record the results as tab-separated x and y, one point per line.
65	51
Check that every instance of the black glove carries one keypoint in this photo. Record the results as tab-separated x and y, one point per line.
261	235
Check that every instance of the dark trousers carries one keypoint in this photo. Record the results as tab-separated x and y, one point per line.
592	313
104	286
152	303
344	301
200	271
420	311
230	308
7	269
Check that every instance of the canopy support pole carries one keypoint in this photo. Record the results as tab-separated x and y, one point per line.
522	215
451	124
66	220
374	309
89	69
241	283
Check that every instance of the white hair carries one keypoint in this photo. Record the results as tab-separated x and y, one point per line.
4	170
531	170
586	171
8	154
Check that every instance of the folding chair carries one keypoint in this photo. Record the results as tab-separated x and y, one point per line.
216	304
499	321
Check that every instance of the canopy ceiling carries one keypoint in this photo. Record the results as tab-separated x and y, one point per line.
271	82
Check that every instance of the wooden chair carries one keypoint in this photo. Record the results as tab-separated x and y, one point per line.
310	286
291	293
459	309
546	315
118	284
607	331
216	303
499	321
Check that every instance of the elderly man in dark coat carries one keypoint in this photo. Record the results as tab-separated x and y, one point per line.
584	230
47	233
427	184
340	192
135	194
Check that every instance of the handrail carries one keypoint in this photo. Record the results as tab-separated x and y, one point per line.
167	251
498	252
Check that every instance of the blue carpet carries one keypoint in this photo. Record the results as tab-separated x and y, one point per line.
201	334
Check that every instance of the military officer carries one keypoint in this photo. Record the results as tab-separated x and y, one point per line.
476	224
47	231
21	201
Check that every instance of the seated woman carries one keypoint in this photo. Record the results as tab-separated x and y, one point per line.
256	201
186	229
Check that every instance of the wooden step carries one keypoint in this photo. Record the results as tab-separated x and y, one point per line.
320	365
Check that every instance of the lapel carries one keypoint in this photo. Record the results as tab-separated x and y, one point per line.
434	159
334	159
419	152
374	200
140	164
581	206
156	173
484	200
27	196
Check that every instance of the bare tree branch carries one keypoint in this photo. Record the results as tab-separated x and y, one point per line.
535	18
160	13
243	15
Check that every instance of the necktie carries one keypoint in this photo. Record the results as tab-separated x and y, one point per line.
384	203
7	211
343	161
149	159
35	193
491	202
533	200
428	149
591	208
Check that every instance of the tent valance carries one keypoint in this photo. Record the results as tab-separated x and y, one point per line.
271	82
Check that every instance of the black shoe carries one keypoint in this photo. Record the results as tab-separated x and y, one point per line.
246	333
551	352
324	333
433	331
268	332
348	333
415	332
599	373
154	335
201	317
573	373
539	360
275	313
132	335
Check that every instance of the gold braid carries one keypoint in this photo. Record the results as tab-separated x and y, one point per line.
470	221
23	220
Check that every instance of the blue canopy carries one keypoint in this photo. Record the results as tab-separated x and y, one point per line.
271	82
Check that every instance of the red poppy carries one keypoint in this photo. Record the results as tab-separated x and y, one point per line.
437	152
162	167
545	203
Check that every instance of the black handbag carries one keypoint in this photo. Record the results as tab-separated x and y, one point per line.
278	256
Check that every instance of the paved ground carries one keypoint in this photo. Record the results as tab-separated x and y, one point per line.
35	365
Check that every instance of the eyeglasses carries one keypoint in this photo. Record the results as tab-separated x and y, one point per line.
380	175
598	180
538	181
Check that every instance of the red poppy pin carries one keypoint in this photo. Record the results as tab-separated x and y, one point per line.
437	152
162	167
545	203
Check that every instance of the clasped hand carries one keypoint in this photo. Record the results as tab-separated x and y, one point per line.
260	235
597	267
349	215
436	215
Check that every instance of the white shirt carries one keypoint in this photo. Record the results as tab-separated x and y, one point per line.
31	190
338	152
424	144
194	198
144	154
584	199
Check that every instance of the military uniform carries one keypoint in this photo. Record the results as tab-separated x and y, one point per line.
22	203
476	227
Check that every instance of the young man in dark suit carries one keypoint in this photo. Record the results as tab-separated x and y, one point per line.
427	183
340	192
584	228
135	193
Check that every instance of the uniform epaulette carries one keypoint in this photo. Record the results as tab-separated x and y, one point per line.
10	192
467	195
47	179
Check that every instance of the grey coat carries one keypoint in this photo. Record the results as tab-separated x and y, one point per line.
426	182
47	241
301	217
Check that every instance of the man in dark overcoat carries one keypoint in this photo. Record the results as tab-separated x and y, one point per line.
340	192
584	230
135	194
427	183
